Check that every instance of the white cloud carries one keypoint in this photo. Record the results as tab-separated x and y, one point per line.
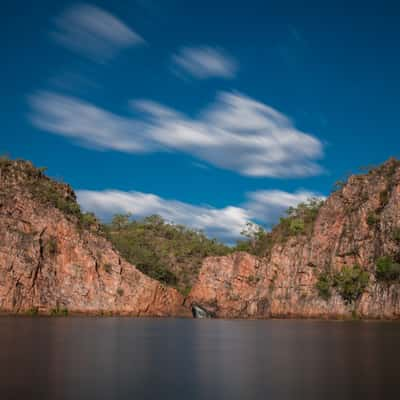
235	133
86	123
205	62
224	223
93	32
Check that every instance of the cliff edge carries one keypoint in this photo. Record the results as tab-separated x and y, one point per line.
344	263
53	258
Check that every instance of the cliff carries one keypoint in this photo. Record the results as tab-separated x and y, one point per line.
54	259
342	264
340	259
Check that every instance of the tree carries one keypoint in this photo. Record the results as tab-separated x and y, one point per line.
351	282
120	221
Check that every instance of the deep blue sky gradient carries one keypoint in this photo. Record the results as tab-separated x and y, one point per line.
332	67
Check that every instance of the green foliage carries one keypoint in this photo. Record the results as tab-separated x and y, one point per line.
307	210
59	312
299	221
296	226
372	219
169	253
120	221
48	192
54	193
384	197
354	315
396	234
257	240
87	220
43	189
387	269
120	292
351	282
185	291
324	285
33	312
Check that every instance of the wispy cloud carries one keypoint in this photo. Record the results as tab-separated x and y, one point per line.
86	123
205	62
93	32
224	223
235	132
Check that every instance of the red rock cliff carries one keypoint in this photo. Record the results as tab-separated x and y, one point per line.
356	225
49	259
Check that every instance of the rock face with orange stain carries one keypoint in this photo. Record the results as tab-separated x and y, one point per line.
357	224
49	259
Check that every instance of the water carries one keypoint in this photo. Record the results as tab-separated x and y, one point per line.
123	358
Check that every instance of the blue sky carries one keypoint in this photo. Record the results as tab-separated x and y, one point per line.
209	113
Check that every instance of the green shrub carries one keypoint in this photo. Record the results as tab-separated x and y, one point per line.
296	226
59	312
42	170
120	292
47	191
351	282
384	197
120	221
88	220
167	252
387	269
185	291
324	285
33	312
372	219
396	235
257	240
299	221
157	270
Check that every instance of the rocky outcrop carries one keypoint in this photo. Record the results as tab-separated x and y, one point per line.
356	225
55	259
52	259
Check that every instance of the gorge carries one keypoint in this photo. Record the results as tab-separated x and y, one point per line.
339	259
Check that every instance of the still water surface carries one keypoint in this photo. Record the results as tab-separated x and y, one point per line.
123	358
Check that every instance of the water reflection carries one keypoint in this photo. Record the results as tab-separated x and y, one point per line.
122	358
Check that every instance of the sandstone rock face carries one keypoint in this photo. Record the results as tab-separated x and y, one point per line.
356	225
48	263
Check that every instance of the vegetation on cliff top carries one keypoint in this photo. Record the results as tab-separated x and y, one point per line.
173	253
169	253
299	221
45	190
